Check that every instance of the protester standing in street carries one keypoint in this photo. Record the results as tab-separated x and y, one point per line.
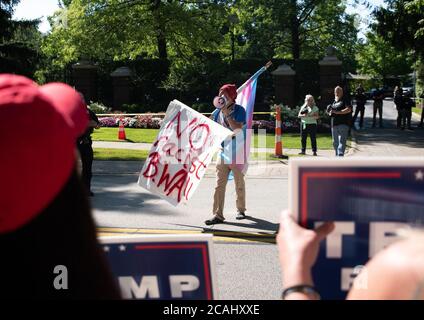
85	149
340	111
308	115
233	117
378	106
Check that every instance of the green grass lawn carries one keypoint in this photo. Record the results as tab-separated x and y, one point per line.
417	111
290	140
141	155
120	154
132	134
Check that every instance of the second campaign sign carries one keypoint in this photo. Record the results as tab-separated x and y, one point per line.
162	266
368	199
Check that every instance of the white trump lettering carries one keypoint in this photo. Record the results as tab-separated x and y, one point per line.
180	283
334	243
148	287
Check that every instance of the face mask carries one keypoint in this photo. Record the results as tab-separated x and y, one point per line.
220	102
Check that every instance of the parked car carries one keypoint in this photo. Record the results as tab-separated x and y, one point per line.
369	94
409	91
388	91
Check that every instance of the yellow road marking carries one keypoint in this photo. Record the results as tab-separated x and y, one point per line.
219	236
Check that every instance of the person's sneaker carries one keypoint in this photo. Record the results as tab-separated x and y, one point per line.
315	154
214	220
302	152
410	129
240	216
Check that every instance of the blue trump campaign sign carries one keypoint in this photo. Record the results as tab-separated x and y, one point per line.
369	200
162	266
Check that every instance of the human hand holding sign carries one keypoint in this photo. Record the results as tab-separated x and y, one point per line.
298	250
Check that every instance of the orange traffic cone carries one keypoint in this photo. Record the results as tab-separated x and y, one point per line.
121	132
278	132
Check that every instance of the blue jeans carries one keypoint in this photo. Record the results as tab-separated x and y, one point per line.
340	133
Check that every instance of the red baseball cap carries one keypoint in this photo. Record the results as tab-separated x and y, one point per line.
230	89
38	135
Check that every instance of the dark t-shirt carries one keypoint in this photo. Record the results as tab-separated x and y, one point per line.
407	104
338	119
361	99
86	137
378	96
398	100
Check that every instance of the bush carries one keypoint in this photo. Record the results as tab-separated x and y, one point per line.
99	108
290	121
203	107
132	108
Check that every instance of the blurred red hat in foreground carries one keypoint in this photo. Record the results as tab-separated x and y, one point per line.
40	125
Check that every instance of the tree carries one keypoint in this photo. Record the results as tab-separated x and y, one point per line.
402	24
104	29
297	29
18	41
378	58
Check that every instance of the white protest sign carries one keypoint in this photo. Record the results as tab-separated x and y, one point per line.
183	149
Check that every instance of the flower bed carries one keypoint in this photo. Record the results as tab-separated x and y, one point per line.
289	121
141	121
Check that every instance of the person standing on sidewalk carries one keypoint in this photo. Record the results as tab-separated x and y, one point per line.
340	112
308	115
84	145
407	104
233	117
378	97
398	100
361	99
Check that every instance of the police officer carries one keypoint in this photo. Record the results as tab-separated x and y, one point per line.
378	106
361	99
84	144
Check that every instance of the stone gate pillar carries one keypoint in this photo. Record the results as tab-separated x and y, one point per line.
121	80
330	69
285	84
84	75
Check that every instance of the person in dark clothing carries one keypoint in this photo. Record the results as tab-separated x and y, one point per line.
378	97
48	243
85	149
361	99
398	100
422	111
340	111
407	104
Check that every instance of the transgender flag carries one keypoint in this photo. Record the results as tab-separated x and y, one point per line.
240	146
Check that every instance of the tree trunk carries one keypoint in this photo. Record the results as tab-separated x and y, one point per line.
295	41
160	32
294	30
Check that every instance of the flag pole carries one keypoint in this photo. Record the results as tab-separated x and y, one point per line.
257	74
